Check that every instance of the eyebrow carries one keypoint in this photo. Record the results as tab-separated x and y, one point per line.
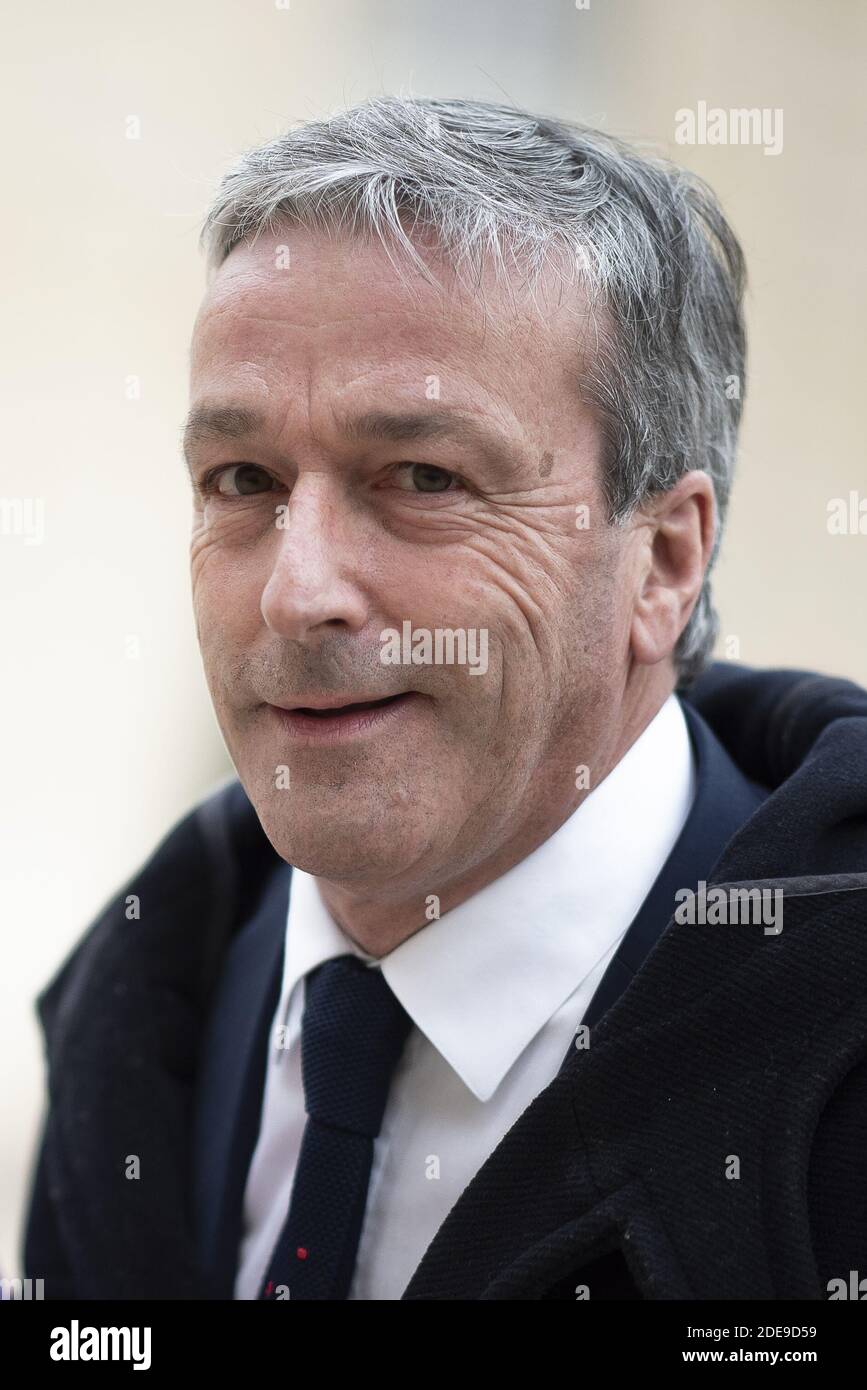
234	422
206	422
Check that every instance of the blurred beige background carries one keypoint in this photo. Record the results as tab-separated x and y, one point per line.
108	735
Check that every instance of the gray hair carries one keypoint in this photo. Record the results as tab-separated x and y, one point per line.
647	240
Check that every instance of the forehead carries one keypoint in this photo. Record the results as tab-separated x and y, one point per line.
298	302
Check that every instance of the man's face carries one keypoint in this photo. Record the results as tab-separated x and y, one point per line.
420	458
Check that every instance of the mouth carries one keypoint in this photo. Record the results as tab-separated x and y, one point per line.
325	711
329	721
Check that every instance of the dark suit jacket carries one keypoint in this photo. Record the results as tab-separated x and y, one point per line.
712	1048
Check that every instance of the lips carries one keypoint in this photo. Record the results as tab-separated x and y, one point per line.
330	723
326	711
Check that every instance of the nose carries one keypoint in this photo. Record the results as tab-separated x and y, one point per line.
311	590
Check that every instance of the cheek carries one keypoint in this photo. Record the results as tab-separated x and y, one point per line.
596	629
226	585
577	614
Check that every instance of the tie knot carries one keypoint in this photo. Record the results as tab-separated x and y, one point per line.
352	1035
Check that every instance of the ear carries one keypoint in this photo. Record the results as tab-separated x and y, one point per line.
677	532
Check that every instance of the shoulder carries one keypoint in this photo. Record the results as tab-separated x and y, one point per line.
203	871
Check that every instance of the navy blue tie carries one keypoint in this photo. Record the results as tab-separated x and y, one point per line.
353	1031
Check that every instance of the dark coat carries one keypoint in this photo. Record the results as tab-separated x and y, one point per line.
715	1043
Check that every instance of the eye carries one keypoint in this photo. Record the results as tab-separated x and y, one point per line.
238	480
424	477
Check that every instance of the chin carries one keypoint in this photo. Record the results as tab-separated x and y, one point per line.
341	850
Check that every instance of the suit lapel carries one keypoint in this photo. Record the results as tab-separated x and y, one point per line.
723	801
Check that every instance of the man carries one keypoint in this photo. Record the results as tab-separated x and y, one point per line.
522	959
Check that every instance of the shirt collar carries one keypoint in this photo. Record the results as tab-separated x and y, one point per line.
481	981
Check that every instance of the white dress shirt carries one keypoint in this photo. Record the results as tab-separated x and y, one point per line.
496	989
